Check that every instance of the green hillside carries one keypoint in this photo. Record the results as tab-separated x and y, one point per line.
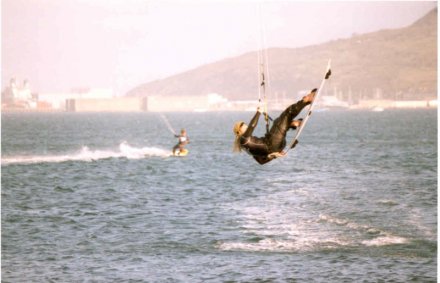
394	64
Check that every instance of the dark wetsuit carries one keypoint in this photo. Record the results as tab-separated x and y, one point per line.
183	140
275	140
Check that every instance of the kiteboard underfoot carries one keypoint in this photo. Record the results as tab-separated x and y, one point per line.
309	111
306	118
183	152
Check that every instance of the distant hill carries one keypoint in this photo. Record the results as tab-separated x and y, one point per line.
394	64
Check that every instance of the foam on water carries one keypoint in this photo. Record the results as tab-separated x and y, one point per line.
280	223
87	155
383	238
385	241
279	245
388	202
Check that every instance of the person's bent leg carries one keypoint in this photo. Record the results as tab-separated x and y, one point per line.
277	134
175	148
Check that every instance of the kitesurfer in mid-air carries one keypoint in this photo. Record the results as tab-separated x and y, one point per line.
270	146
183	140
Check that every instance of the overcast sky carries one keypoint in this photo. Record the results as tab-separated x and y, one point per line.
63	44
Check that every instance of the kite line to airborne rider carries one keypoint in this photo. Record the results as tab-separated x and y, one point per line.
271	146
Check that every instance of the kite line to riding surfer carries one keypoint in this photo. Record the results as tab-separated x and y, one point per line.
179	148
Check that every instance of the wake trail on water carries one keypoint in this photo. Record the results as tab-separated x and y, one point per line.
86	154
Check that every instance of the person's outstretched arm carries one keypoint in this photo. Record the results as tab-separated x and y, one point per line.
252	124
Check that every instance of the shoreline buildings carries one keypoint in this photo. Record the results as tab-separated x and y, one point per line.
21	98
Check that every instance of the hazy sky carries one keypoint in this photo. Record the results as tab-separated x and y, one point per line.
62	44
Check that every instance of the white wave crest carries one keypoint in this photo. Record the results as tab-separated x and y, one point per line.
300	244
383	238
385	241
137	153
86	154
387	202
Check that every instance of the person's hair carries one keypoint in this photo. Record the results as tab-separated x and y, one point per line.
237	146
236	130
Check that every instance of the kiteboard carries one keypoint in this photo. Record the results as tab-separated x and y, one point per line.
309	111
183	152
300	128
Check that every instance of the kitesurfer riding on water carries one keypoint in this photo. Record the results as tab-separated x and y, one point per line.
270	146
183	140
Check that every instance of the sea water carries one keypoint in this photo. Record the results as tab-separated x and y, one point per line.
97	197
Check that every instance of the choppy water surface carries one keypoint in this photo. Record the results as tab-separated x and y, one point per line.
98	198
